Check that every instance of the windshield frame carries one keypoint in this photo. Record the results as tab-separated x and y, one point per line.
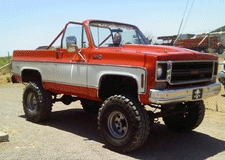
136	29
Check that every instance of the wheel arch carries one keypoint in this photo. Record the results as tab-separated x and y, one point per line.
116	81
30	74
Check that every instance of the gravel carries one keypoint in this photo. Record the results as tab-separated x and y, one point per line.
70	133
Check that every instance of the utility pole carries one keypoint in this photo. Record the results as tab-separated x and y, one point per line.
9	67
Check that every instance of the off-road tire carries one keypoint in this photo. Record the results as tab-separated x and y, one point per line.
189	120
91	107
131	115
37	102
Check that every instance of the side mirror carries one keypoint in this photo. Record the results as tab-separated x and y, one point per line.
71	44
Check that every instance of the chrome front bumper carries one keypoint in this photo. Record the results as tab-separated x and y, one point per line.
183	95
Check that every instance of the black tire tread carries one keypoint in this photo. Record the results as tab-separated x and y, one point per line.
180	124
44	100
139	116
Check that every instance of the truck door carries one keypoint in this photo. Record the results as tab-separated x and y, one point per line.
74	62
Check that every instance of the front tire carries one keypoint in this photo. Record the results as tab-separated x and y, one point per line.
123	123
37	103
192	117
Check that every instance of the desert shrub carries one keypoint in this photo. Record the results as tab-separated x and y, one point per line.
4	71
8	79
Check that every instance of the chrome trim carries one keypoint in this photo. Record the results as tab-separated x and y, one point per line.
169	71
182	95
214	64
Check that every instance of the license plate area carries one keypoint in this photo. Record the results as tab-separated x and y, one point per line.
197	94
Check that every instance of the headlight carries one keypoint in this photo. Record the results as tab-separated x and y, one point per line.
161	71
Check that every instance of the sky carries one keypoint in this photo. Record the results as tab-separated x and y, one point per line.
25	25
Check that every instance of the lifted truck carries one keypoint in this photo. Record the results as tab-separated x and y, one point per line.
111	68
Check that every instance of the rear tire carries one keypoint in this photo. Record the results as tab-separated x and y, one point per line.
37	102
123	123
187	121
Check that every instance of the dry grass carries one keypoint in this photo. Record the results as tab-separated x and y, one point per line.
4	78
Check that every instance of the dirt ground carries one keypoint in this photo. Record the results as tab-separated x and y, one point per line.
70	133
3	79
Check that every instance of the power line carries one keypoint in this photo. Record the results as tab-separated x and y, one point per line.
178	35
188	15
183	18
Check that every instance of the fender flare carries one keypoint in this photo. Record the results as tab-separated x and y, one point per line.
33	69
125	74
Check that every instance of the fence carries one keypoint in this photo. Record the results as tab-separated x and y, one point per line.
5	69
5	65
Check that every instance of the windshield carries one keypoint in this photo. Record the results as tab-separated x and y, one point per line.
109	34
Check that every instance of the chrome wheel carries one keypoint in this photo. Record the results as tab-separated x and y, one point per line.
31	101
117	124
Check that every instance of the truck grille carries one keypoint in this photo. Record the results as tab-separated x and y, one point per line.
183	72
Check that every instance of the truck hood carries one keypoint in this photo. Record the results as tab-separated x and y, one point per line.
165	53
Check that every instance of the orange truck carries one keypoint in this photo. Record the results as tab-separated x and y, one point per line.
202	43
115	73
